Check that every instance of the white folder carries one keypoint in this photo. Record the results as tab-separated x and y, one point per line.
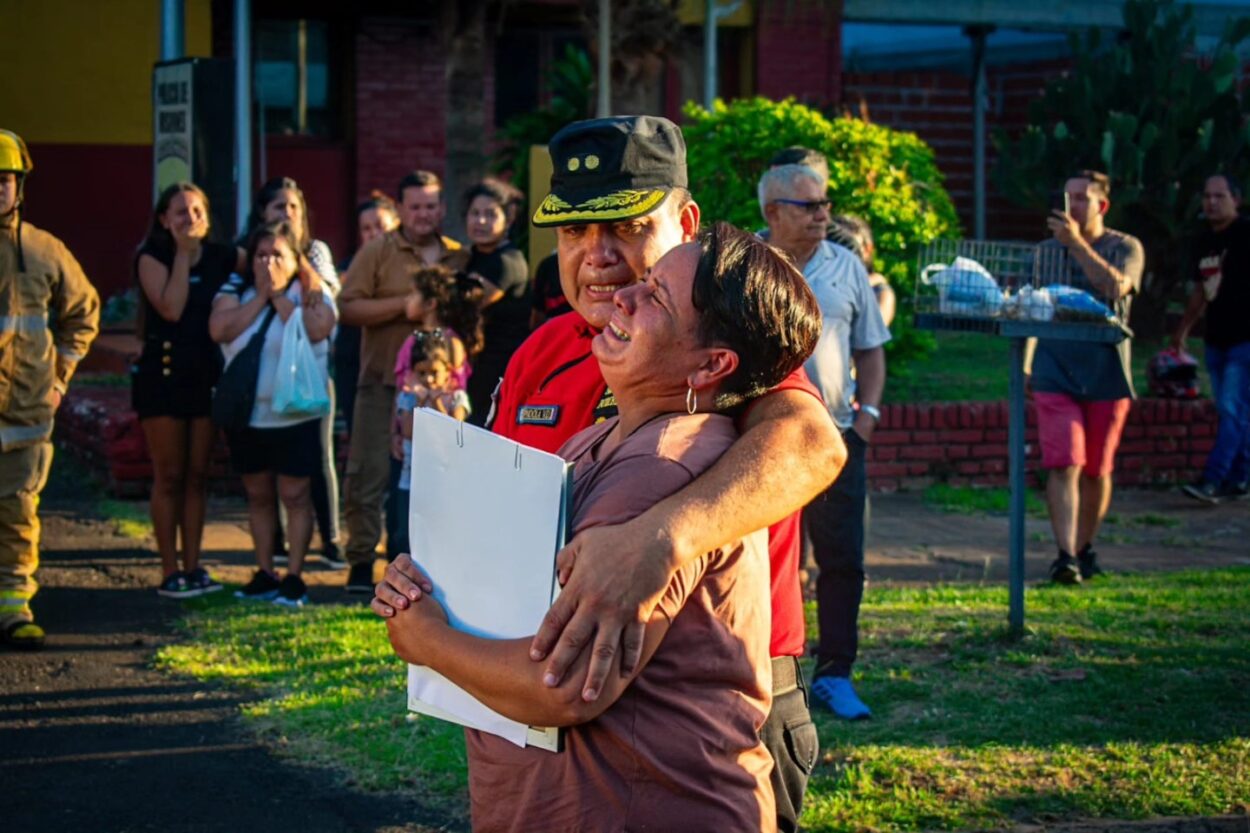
486	518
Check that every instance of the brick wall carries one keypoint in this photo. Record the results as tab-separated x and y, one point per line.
1165	441
959	443
401	99
937	106
799	51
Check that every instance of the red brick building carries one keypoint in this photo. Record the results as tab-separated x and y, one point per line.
348	97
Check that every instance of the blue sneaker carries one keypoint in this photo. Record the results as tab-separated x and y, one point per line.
838	696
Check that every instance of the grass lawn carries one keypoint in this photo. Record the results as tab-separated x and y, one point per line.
1127	699
967	367
968	500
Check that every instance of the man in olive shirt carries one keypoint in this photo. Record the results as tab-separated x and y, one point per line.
375	291
1083	390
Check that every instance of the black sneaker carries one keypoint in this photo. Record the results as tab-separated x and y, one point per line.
201	582
1238	490
175	586
1064	570
1087	564
262	588
292	592
360	579
1206	492
332	557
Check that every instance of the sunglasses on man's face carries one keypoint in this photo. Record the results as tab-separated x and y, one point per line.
810	206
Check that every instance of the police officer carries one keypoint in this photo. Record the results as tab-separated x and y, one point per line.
618	202
49	315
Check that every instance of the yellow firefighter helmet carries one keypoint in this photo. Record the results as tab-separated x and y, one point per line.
13	154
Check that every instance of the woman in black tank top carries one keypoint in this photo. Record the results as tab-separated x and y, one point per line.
179	271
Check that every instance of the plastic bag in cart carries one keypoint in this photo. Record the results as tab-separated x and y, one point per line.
965	287
1029	304
1074	304
301	386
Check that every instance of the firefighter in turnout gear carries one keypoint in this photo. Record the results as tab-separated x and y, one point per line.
49	315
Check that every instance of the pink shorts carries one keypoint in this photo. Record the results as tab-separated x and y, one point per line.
1075	433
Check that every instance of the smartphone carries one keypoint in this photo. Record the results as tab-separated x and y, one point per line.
1060	201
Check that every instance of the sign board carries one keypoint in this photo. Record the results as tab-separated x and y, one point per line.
193	110
172	146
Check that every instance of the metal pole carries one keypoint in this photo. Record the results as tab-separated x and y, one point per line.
173	30
243	110
709	55
1015	474
604	108
979	94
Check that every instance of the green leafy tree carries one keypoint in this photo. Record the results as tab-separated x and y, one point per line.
1157	117
885	176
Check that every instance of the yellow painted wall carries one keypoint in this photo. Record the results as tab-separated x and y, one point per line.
80	71
694	12
542	240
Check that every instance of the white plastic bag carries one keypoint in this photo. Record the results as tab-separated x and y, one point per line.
300	388
965	287
1029	304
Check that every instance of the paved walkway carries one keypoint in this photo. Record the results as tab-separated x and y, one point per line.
1152	530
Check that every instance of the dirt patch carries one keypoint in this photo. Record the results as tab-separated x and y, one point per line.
911	542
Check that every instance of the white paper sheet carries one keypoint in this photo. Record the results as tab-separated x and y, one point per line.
486	518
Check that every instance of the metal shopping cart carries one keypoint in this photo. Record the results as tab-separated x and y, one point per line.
1017	291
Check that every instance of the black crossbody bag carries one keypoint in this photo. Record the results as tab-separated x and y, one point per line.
235	393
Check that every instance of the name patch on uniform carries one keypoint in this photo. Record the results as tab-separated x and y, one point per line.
537	414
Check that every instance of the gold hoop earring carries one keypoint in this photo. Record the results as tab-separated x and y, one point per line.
692	401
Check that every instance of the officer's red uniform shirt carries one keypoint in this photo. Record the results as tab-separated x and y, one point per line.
553	388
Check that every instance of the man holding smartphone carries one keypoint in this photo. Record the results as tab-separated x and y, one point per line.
1083	391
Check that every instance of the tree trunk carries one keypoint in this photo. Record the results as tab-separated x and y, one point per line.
464	32
643	35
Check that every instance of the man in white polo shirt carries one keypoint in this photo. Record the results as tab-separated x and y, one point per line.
795	203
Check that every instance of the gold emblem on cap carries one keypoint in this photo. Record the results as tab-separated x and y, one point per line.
574	163
592	162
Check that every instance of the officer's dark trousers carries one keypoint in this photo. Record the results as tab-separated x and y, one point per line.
790	737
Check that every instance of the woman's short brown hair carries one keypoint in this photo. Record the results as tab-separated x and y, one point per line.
751	299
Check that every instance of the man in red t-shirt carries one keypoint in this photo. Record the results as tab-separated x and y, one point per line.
618	202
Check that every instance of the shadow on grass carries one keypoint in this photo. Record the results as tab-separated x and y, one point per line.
1145	659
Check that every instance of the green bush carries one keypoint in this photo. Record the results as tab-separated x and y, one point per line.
885	176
